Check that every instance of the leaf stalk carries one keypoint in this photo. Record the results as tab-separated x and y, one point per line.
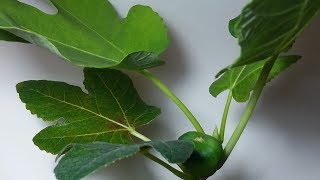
167	166
174	98
225	116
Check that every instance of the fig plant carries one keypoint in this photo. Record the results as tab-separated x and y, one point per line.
93	129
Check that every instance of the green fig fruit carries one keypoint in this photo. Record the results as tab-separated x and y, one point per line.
206	157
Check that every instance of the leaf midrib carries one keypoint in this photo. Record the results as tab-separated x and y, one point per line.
88	134
116	99
249	74
81	22
82	108
287	40
67	45
235	81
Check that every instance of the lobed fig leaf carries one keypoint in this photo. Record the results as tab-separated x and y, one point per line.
107	113
87	33
268	28
241	80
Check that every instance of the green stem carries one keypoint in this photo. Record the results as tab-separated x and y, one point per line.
139	135
167	166
174	98
225	116
250	107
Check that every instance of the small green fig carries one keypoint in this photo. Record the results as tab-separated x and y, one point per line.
206	157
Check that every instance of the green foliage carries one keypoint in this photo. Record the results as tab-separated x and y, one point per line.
99	123
267	28
206	156
241	80
84	159
140	61
110	110
88	33
232	25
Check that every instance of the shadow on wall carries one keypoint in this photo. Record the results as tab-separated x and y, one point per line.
238	174
292	102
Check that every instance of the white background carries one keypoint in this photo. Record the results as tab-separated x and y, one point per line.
280	142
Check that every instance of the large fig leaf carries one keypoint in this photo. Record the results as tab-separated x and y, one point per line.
107	113
87	33
241	80
84	159
267	28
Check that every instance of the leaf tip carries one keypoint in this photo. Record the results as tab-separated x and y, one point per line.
222	71
65	150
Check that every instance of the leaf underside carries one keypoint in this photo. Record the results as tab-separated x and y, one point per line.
6	36
87	33
241	80
110	109
267	28
84	159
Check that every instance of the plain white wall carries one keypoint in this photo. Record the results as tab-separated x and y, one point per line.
280	142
